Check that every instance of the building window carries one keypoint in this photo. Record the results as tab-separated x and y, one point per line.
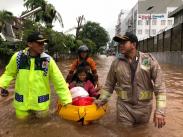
163	22
154	22
139	22
139	31
170	22
153	32
146	31
146	22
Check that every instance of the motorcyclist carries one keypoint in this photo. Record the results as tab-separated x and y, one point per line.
83	58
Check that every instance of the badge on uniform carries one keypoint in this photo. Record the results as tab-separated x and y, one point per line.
145	64
45	64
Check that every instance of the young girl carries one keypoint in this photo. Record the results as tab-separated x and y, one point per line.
81	80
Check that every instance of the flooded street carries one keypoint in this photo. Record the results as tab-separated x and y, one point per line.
108	126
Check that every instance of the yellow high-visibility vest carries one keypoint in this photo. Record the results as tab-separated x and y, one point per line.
32	89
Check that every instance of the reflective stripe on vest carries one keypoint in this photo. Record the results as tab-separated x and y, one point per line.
104	95
161	100
43	98
19	97
122	94
143	95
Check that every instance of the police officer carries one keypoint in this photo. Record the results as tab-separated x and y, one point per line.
33	69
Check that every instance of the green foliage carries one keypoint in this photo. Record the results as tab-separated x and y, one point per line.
91	45
5	17
32	4
56	42
7	48
69	42
48	13
91	34
79	43
29	27
95	33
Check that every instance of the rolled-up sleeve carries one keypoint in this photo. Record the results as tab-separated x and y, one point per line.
159	86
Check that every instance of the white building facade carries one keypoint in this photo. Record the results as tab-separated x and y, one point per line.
147	23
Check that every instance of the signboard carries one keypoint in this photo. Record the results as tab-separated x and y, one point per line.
158	16
153	16
144	17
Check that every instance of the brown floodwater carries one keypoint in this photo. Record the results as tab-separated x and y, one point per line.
107	126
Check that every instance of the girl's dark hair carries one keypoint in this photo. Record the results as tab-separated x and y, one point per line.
80	70
82	67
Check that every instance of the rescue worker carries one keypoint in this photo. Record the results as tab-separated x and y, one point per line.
83	56
135	76
33	69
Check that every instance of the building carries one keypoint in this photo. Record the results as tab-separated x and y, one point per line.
178	15
150	17
130	21
118	26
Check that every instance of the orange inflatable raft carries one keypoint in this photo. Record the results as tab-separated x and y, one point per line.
84	114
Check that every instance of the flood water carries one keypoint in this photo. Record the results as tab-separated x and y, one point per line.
107	126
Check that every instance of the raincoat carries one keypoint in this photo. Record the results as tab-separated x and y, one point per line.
32	89
76	63
135	93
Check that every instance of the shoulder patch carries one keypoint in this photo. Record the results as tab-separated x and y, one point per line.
44	55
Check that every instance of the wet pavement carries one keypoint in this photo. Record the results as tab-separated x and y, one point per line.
107	126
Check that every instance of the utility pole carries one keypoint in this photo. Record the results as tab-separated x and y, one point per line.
150	25
149	9
30	12
118	26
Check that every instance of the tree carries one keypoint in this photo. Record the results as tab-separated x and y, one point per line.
70	43
5	17
56	42
95	33
32	4
28	26
91	45
79	20
7	48
48	13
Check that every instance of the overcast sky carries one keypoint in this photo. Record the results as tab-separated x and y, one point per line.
104	12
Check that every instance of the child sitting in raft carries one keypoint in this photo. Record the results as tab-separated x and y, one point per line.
81	80
82	89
